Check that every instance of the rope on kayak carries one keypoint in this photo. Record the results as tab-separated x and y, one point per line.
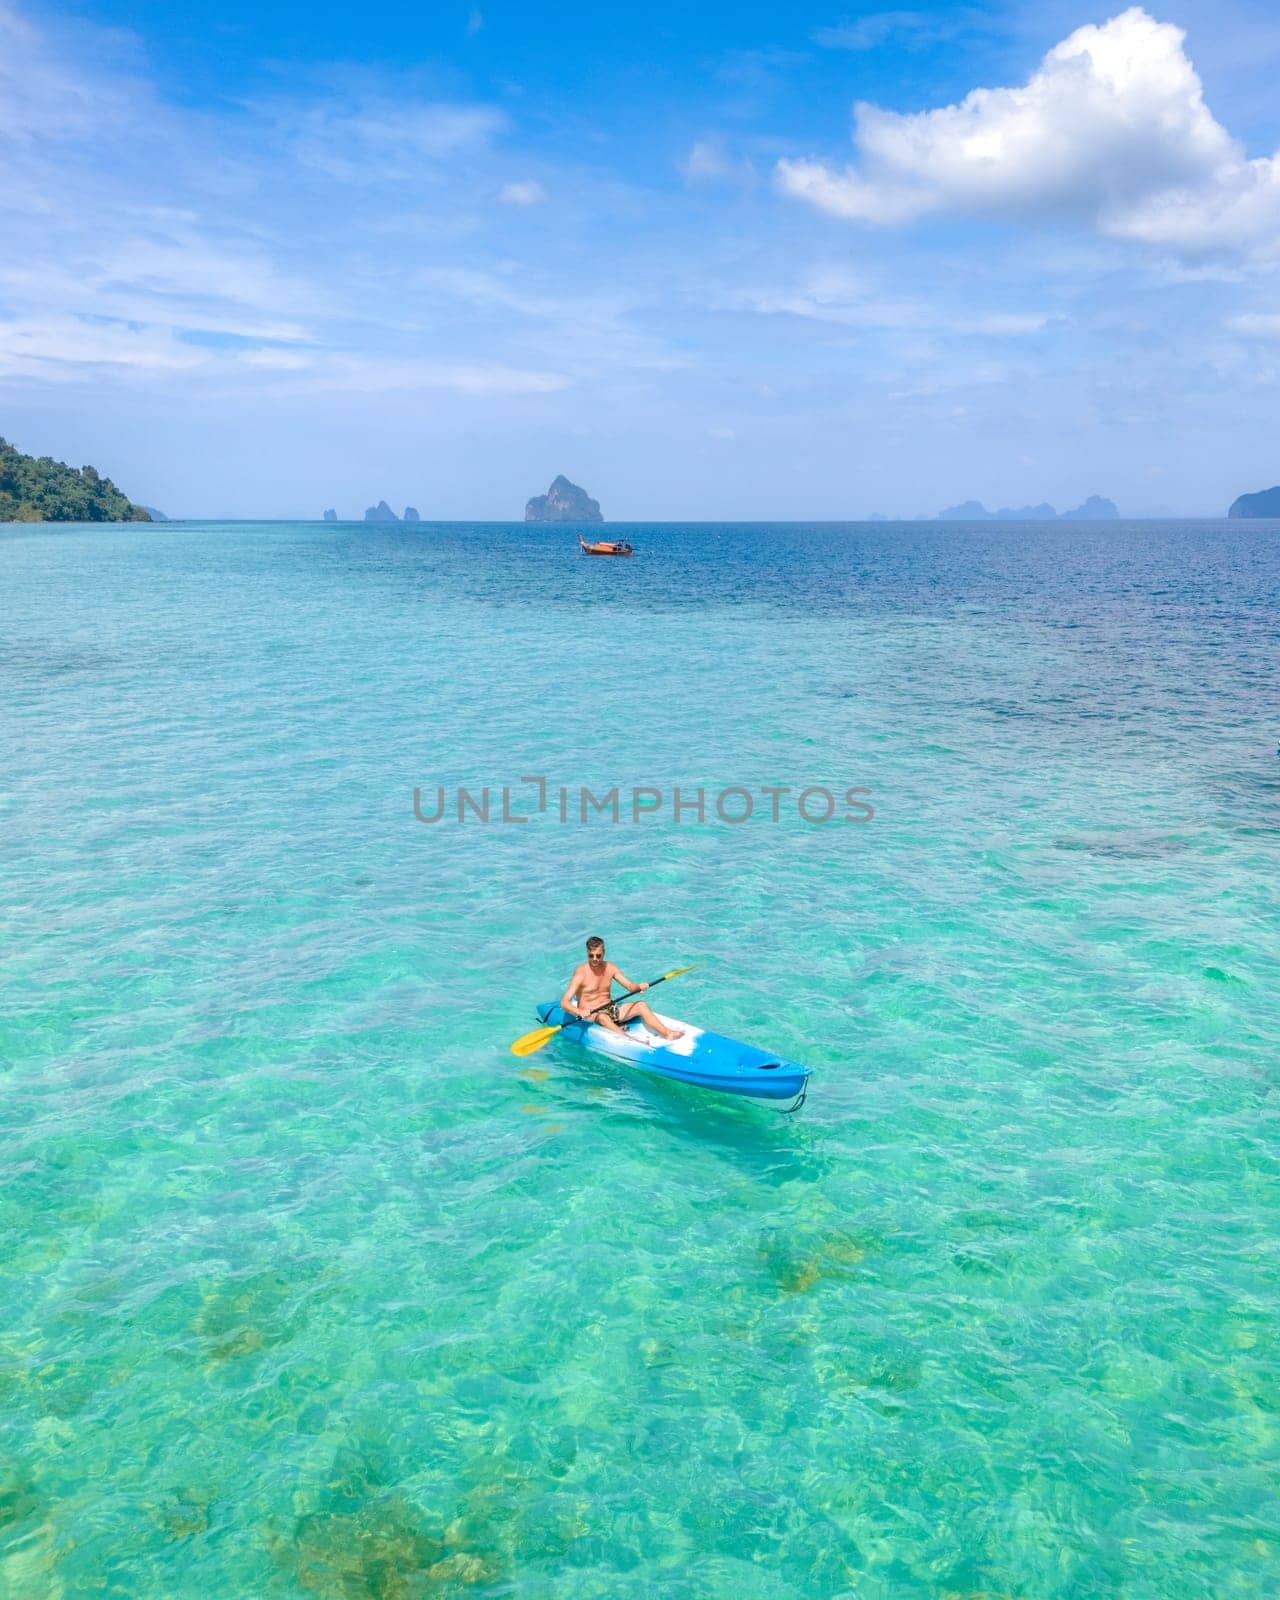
787	1111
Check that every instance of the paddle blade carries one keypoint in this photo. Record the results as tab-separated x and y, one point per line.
678	971
529	1042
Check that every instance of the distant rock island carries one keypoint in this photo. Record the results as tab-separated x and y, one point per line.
1265	503
40	489
563	502
382	512
1095	509
975	511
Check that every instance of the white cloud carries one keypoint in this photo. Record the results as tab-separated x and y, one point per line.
276	360
188	275
63	347
705	161
709	162
529	192
1265	324
1010	323
1111	130
429	130
828	294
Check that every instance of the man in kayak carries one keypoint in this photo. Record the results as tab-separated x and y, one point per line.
590	989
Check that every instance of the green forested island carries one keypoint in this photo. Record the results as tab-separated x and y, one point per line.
40	489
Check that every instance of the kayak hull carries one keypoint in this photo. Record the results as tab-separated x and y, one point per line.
707	1060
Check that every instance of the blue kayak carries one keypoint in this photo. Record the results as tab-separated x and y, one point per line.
708	1060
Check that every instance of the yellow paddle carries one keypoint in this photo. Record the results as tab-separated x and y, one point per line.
529	1042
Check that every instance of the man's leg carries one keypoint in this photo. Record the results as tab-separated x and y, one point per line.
638	1008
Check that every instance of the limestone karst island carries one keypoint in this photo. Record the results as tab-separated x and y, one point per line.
1265	503
563	502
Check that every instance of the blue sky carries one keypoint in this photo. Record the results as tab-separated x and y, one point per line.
758	261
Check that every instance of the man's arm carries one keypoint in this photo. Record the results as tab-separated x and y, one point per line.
568	999
631	988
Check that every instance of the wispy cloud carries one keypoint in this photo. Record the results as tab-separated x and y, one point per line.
843	298
1265	324
364	374
585	329
883	27
526	192
758	69
127	275
64	348
44	97
379	140
1112	130
708	161
167	278
705	160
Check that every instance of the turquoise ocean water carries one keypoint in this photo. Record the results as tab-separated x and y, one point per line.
311	1289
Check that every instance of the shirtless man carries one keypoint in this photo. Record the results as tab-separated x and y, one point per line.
589	990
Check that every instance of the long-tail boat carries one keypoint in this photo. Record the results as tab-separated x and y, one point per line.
603	548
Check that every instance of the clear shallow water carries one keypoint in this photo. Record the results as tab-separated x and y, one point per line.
312	1289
